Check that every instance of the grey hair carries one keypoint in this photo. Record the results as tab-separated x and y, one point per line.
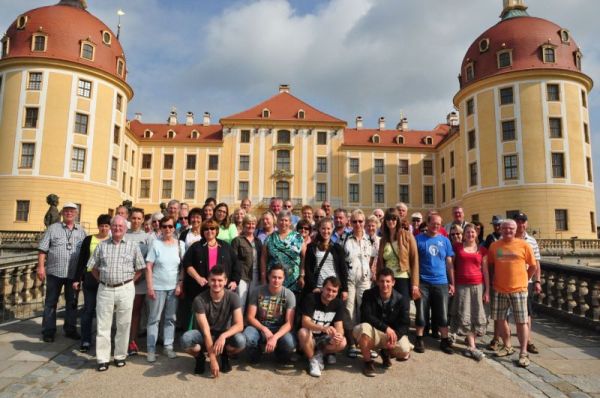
118	218
284	213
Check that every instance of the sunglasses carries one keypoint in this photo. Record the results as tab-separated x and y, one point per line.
455	234
169	226
358	221
305	228
392	219
287	207
182	218
209	229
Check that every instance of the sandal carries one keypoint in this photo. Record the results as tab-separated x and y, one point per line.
102	367
524	360
505	351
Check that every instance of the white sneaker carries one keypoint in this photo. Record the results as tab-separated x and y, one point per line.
170	353
313	367
331	359
319	358
151	357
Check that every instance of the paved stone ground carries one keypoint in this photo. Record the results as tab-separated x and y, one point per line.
568	366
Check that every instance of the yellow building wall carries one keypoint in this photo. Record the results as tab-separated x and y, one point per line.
12	88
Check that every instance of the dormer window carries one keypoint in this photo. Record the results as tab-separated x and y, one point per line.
87	50
549	54
577	54
5	46
565	37
171	134
470	71
38	42
195	134
504	58
375	139
428	140
22	21
120	67
106	37
484	45
148	134
266	113
301	114
399	139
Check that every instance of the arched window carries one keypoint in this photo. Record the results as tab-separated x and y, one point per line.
148	134
549	54
171	134
87	51
120	67
301	114
470	71
375	139
577	54
428	140
399	139
565	37
283	137
38	42
195	134
282	190
283	160
266	113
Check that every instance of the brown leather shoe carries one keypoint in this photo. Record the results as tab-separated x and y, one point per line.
369	369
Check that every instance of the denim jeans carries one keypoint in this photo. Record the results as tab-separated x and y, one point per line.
54	286
436	298
255	339
194	336
87	316
165	299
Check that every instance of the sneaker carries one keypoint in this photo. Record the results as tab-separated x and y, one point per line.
446	346
330	359
532	349
319	358
170	353
224	364
385	359
119	363
505	351
132	349
102	367
419	345
374	354
494	345
369	369
151	357
85	347
200	364
524	360
474	353
314	369
452	339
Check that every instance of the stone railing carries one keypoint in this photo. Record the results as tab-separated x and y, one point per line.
571	292
21	293
572	247
17	237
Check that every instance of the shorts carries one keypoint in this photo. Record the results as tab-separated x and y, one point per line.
403	345
502	302
193	337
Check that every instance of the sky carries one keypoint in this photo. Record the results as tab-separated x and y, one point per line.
346	57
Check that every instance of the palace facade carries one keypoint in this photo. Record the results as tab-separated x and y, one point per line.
520	140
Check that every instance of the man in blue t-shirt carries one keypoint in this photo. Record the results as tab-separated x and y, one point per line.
436	274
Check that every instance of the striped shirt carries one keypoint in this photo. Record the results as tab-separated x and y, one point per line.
534	245
117	263
62	246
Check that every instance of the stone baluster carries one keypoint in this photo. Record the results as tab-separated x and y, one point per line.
550	289
571	288
541	298
560	292
582	295
595	301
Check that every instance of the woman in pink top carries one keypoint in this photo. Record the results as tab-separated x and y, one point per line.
472	290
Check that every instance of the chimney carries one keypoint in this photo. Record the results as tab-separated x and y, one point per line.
138	116
359	122
189	118
452	119
382	123
206	119
284	88
404	124
172	117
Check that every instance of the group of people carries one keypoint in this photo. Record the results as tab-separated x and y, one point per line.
318	283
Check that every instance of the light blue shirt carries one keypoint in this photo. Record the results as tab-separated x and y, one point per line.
166	259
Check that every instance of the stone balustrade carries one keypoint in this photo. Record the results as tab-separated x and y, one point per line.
569	247
570	292
20	237
21	293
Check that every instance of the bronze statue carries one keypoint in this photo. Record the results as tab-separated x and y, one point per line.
128	204
52	215
163	209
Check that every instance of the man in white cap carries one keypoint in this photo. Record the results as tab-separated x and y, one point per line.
57	263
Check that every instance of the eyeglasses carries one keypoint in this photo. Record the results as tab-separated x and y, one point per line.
182	218
168	226
209	229
455	234
357	221
305	228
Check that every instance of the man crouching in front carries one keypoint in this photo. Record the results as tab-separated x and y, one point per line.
385	318
215	309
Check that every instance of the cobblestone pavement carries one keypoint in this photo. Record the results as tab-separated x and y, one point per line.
568	366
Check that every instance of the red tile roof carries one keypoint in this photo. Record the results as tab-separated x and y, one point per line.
387	138
284	107
183	133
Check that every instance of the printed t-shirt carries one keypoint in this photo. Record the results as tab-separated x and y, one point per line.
271	308
433	251
321	314
510	260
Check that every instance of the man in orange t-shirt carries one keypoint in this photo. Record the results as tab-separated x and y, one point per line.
514	263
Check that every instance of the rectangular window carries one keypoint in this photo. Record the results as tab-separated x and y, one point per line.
403	166
119	105
586	133
39	43
190	162
125	151
560	219
452	189
31	118
283	160
506	96
555	124
473	174
443	193
321	191
379	193
190	189
428	167
245	136
504	59
144	189
378	166
211	189
84	88
404	193
553	92
588	165
81	123
284	137
87	51
451	158
131	185
78	160
583	99
146	160
167	189
321	165
353	193
558	165
470	107
213	162
508	130
35	81
442	165
322	138
22	210
123	182
428	194
472	139
593	221
549	55
27	153
168	161
244	162
243	190
133	158
113	168
353	165
116	134
511	167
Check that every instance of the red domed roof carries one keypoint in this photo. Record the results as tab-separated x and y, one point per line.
525	36
66	27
